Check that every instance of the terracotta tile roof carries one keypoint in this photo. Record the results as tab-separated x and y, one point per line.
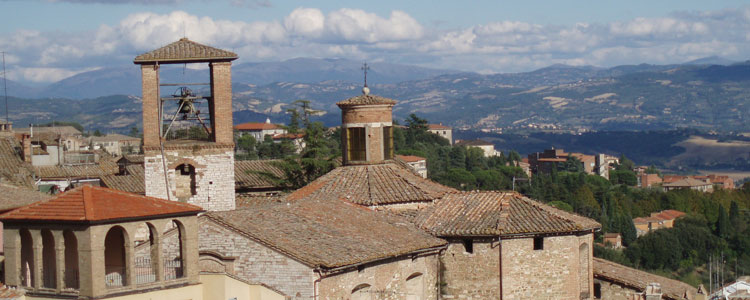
498	213
366	100
185	50
114	137
473	143
13	169
686	182
57	130
257	126
437	127
133	182
248	173
552	159
670	214
131	159
612	272
103	168
381	184
410	158
326	233
289	136
96	204
672	178
251	200
13	196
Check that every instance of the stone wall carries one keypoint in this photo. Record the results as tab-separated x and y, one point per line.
257	263
613	291
397	279
551	273
214	175
471	275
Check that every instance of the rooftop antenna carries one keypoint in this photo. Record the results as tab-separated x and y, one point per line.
365	89
5	89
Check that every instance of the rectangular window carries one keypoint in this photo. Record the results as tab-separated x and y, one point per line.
388	142
468	246
356	143
539	243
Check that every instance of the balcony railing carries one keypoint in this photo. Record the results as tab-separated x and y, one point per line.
172	269
144	272
114	277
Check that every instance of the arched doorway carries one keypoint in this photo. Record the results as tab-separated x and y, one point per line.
71	260
146	253
415	287
185	186
174	251
27	258
115	266
49	263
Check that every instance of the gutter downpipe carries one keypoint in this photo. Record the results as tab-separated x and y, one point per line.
315	283
500	264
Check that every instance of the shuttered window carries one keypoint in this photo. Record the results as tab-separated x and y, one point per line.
355	141
388	142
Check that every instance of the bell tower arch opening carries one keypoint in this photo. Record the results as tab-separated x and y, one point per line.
189	123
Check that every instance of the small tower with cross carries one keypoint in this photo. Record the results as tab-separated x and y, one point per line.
188	141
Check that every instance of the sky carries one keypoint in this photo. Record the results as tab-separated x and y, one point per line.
49	40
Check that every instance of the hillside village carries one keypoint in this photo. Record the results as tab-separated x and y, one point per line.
185	219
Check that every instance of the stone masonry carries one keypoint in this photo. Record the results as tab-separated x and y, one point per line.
471	276
257	263
214	175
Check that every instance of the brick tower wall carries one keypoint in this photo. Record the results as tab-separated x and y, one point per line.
214	175
373	118
221	90
150	85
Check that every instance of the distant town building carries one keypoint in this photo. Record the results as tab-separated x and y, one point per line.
689	183
648	180
297	139
614	240
737	290
618	282
657	220
259	130
416	163
441	130
544	162
486	147
588	161
604	163
116	144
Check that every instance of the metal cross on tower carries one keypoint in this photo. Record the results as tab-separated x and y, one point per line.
365	67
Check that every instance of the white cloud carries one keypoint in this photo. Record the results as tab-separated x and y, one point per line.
500	46
38	75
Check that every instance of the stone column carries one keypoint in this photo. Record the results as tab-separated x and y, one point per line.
190	245
150	85
157	262
91	261
221	102
59	260
37	274
12	244
129	258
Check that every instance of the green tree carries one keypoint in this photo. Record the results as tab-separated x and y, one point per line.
134	132
723	225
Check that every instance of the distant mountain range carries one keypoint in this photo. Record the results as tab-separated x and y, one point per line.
697	94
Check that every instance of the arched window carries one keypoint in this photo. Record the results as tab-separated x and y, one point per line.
174	251
146	253
362	292
71	260
115	266
185	186
583	257
415	287
49	263
27	258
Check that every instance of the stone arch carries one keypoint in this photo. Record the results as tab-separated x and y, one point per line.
362	292
71	275
27	258
49	261
583	262
415	287
214	262
115	257
173	246
147	251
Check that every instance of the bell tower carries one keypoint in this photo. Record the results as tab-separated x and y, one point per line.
188	142
367	129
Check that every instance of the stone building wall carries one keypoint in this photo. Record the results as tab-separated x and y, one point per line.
471	275
214	175
613	291
397	279
555	272
257	263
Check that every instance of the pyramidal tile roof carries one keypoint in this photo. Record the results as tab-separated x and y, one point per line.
185	50
370	185
366	99
96	204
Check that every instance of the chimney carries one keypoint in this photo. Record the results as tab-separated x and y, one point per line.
26	144
653	291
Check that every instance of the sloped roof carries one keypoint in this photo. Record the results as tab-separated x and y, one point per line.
328	234
492	213
103	168
131	159
437	127
366	100
257	126
57	130
114	137
685	182
13	196
96	204
379	184
185	50
248	173
410	158
637	279
133	182
476	142
12	167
